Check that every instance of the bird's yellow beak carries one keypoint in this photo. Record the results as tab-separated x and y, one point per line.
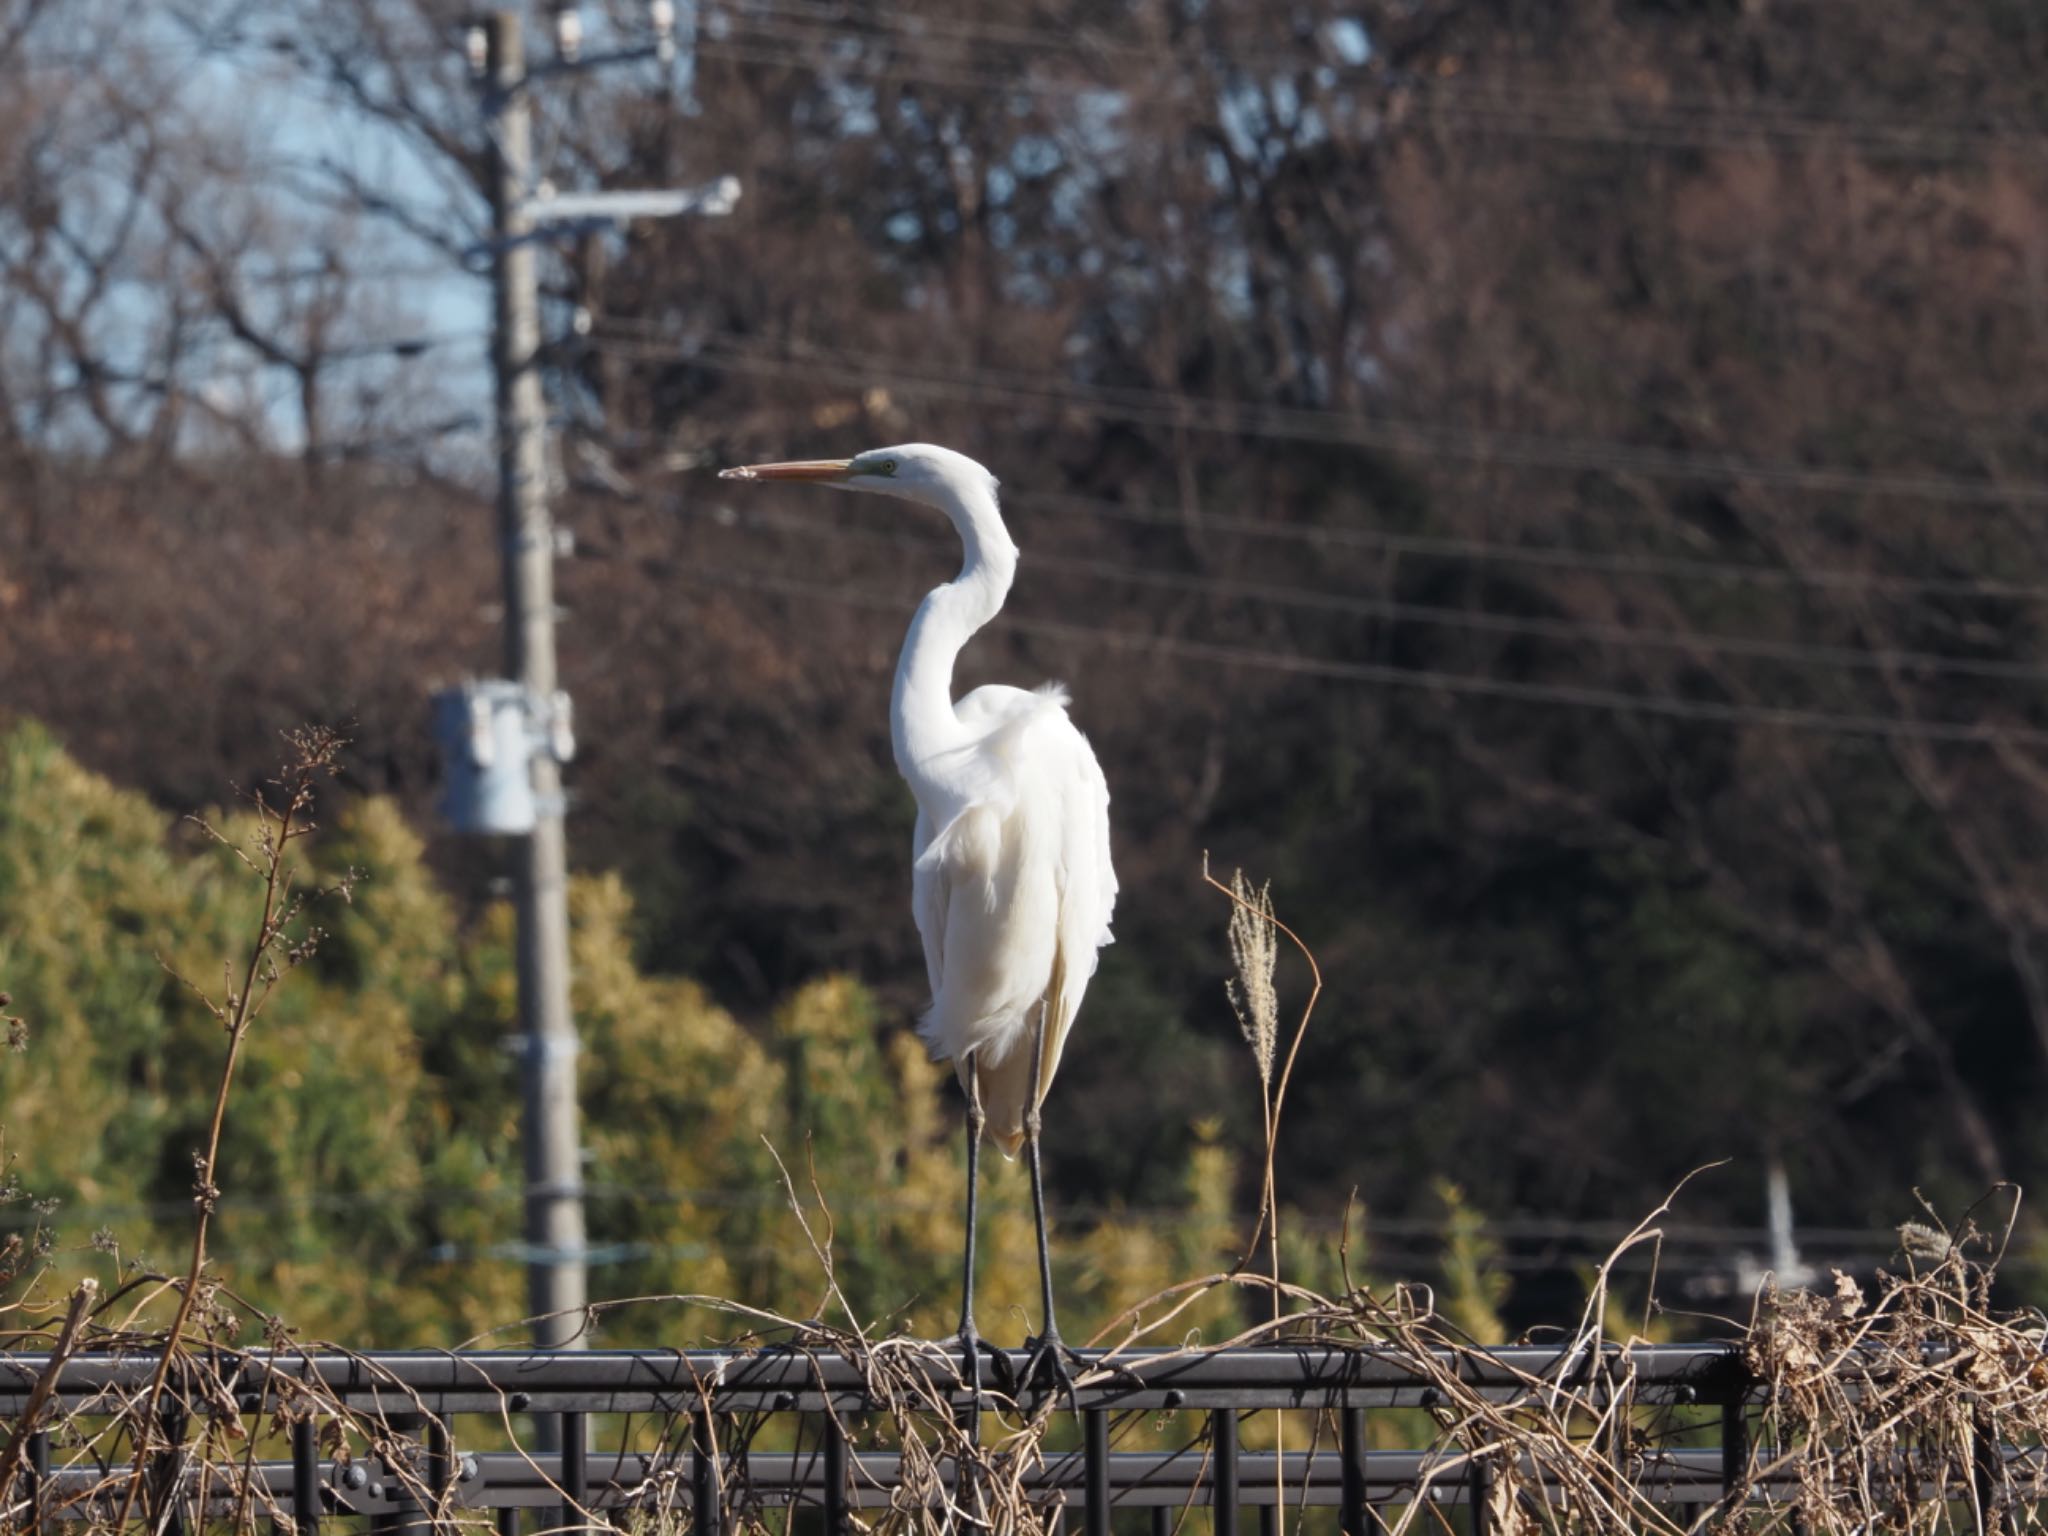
794	469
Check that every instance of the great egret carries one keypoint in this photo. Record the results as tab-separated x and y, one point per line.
1011	883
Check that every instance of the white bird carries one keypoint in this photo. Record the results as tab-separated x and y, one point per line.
1011	885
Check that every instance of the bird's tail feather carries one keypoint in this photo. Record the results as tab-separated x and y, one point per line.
1006	1096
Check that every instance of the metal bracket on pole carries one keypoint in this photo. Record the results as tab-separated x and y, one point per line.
713	200
559	215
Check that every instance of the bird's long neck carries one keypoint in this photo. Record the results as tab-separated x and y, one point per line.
927	732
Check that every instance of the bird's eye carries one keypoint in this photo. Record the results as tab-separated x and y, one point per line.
886	467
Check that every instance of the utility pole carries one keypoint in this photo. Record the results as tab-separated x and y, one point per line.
504	740
556	1280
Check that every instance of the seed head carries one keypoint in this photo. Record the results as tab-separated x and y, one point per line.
1924	1242
1255	946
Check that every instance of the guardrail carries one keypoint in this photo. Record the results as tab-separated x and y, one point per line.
419	1475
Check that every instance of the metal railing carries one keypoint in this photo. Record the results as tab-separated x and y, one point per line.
420	1474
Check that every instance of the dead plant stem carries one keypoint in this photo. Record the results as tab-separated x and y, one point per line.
67	1341
243	1004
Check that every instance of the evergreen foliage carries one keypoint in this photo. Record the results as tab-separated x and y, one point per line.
371	1165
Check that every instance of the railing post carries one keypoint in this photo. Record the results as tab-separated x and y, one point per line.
707	1518
1986	1460
410	1518
440	1466
835	1476
1095	1425
306	1502
38	1476
1223	1486
575	1470
1351	1447
175	1420
1734	1449
1479	1485
1162	1520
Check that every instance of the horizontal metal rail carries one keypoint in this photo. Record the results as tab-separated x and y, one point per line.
783	1378
1132	1479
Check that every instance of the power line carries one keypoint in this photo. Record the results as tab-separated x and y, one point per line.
923	74
1503	115
1568	557
1439	616
919	26
1790	116
1248	418
397	272
750	1198
1565	556
1517	109
1379	1259
1567	695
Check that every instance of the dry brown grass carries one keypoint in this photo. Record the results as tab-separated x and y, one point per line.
1870	1412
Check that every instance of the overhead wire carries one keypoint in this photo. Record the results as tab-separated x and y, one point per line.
1497	447
1391	1262
1779	112
923	74
1201	519
1438	615
1255	419
1647	129
1714	116
765	51
1491	107
736	1198
1567	695
1292	53
1572	557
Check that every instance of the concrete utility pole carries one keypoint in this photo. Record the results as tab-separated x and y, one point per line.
504	740
556	1280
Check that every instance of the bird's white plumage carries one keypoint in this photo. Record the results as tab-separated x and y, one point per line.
1013	897
1012	887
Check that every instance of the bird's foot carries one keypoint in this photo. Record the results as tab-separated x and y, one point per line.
972	1346
1050	1366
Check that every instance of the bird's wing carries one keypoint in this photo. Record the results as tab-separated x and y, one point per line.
1083	877
943	858
986	947
1013	897
928	896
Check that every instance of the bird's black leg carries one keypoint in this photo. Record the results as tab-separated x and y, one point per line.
1048	1352
970	1341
